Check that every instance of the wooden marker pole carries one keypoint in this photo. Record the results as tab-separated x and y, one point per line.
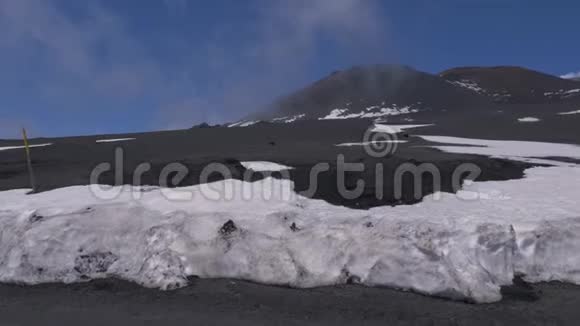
29	161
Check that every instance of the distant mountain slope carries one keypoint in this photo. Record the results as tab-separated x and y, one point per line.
515	85
401	93
371	92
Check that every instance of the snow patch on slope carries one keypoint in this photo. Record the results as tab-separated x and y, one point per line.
570	112
5	148
514	150
113	140
370	112
367	143
468	84
395	129
563	93
289	119
529	119
243	124
498	96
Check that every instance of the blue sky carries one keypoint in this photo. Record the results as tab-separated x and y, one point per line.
70	67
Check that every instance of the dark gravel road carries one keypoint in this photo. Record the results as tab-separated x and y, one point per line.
227	302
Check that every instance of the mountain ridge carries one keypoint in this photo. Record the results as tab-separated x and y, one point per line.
389	90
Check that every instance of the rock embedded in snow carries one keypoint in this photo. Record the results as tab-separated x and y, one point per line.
94	263
228	228
35	217
294	228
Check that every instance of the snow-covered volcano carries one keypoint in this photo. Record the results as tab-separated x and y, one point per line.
518	218
370	92
393	91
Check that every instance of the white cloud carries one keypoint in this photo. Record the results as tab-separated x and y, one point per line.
289	38
96	56
78	59
68	47
571	75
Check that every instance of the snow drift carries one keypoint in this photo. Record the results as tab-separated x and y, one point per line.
456	247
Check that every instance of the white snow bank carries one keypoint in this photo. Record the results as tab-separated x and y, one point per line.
528	119
5	148
114	140
570	112
261	166
395	129
450	247
516	150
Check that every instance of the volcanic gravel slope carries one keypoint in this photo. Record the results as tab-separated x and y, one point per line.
454	109
69	161
226	302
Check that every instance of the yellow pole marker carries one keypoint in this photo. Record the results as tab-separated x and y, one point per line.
29	161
